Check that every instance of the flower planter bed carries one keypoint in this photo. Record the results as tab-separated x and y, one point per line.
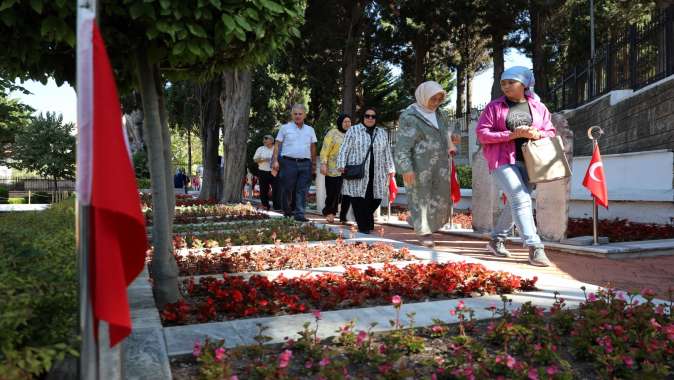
617	230
208	227
608	337
272	231
298	256
620	230
212	213
233	297
181	200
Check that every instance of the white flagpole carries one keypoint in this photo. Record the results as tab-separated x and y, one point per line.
88	361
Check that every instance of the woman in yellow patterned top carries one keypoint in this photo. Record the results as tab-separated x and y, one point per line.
333	177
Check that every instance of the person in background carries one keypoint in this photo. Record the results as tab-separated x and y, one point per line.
196	182
296	143
333	177
366	193
505	124
422	155
180	180
267	182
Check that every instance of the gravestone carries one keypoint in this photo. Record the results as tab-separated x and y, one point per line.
552	198
485	199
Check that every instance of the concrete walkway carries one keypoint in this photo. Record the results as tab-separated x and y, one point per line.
653	272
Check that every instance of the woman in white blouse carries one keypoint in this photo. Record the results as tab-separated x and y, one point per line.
267	181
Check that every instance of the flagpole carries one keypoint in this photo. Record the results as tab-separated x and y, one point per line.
88	360
451	200
595	207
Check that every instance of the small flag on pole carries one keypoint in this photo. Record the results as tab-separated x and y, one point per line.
595	181
392	189
107	184
456	187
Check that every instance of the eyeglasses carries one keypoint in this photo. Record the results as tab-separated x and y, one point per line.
298	114
369	116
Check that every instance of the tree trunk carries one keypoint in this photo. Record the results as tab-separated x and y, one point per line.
166	145
537	53
350	60
189	153
470	74
164	268
420	51
235	104
498	48
210	138
460	88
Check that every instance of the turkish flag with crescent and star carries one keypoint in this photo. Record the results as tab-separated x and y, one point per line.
595	181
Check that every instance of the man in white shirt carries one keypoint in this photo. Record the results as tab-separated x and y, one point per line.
262	157
296	143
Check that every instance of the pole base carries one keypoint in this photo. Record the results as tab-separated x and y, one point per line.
584	240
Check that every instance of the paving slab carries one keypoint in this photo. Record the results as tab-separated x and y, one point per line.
145	355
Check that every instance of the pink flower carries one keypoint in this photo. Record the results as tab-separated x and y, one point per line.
551	370
316	314
655	324
234	377
382	349
537	347
629	362
498	359
360	338
452	312
284	358
591	297
196	351
533	374
396	300
308	364
434	377
219	354
385	368
437	329
460	306
648	293
324	362
620	295
510	362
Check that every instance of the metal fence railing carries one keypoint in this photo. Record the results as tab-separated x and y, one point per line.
638	57
36	184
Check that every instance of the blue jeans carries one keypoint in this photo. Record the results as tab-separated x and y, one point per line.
295	177
514	182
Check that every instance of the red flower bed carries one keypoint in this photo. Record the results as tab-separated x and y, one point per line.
234	297
210	261
212	213
621	229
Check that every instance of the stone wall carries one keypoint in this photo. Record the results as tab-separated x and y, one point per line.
632	121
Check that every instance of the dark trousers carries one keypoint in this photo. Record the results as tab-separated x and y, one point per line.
345	203
267	182
295	177
333	189
364	208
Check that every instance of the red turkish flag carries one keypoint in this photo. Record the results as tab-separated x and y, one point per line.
595	181
107	183
392	189
455	187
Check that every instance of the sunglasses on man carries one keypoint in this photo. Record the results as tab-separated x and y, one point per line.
369	116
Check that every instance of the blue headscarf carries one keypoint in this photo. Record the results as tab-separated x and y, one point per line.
523	75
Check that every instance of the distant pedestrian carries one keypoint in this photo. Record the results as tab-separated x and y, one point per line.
196	182
267	182
180	180
296	143
505	124
366	143
333	177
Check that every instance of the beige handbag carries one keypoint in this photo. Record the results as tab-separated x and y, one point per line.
545	160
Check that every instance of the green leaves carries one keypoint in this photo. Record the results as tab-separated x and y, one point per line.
228	21
272	6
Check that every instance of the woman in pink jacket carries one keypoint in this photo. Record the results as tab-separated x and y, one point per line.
505	124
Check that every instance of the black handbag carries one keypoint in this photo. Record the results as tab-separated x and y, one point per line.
357	171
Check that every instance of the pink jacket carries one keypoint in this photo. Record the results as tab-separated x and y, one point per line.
494	136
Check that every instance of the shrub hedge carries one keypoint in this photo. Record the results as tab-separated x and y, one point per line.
4	195
38	284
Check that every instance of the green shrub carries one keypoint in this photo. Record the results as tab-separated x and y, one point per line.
4	195
465	174
143	183
41	197
17	201
38	284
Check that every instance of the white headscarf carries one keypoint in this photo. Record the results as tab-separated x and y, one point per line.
423	94
426	91
523	75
